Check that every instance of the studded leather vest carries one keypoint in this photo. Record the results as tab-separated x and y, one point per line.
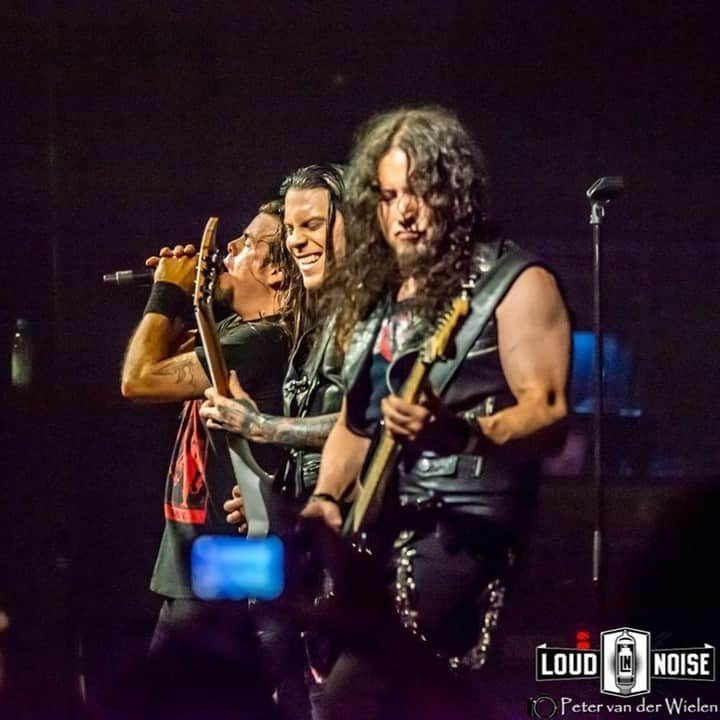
490	486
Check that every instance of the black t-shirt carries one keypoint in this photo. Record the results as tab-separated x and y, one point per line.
400	329
200	478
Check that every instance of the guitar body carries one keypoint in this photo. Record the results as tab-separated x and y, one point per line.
378	470
369	522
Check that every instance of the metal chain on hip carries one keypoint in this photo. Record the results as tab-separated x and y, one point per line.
492	600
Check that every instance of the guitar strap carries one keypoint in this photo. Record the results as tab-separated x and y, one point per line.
489	290
252	481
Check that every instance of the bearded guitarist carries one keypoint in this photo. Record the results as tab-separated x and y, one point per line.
466	472
164	363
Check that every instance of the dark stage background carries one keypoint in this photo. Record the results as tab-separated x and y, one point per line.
127	125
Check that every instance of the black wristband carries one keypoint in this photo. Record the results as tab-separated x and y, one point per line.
325	496
166	299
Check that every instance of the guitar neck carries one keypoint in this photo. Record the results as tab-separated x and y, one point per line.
375	481
385	456
205	278
410	391
213	350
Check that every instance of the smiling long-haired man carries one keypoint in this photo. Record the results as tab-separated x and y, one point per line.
313	198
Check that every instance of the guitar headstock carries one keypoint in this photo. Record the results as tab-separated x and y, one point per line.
436	345
205	279
207	271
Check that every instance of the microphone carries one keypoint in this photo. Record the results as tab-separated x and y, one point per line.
129	278
605	189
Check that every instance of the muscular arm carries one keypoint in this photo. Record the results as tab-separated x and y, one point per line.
153	372
342	458
159	365
534	345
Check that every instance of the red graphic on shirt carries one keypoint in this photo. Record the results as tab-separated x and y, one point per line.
393	334
187	491
384	343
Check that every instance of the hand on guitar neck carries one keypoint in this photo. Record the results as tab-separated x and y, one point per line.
238	413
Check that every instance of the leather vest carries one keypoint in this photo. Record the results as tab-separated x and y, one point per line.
312	387
489	486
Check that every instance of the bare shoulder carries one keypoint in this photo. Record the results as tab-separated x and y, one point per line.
534	339
533	297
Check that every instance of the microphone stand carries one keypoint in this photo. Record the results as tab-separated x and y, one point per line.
600	193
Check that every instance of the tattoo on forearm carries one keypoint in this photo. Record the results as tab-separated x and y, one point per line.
304	432
182	371
244	418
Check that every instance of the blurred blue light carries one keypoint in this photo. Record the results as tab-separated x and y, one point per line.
228	568
618	375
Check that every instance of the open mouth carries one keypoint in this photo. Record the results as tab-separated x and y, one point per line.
307	261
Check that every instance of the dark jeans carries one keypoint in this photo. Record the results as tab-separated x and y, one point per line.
448	565
252	645
283	656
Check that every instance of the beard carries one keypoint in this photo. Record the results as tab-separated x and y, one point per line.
415	261
223	294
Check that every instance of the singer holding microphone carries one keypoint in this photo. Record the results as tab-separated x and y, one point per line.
163	363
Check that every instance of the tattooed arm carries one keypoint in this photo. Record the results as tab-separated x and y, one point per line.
153	372
240	415
159	364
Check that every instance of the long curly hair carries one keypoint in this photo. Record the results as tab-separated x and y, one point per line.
448	172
